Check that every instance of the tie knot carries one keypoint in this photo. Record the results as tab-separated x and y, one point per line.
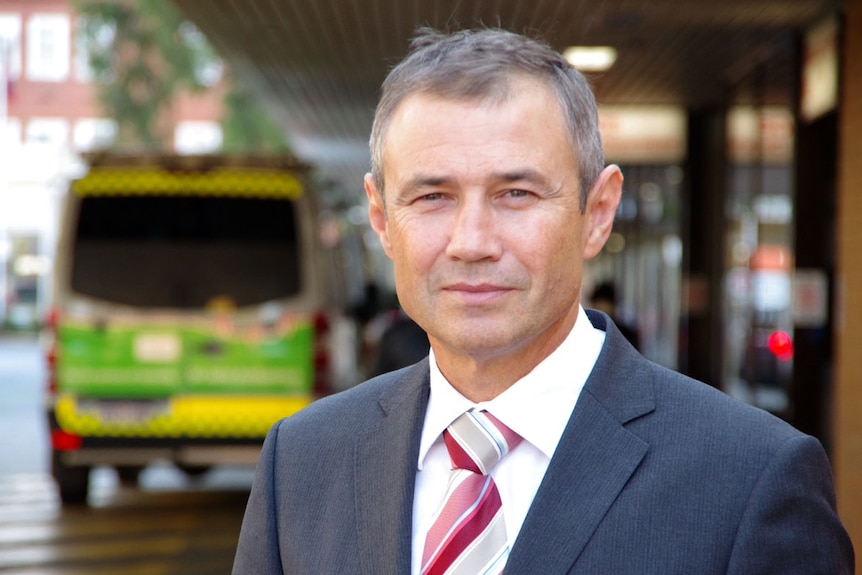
477	440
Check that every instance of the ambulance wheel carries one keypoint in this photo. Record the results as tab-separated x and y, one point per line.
73	483
194	471
128	474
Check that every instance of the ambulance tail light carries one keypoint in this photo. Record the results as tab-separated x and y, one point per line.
65	441
51	350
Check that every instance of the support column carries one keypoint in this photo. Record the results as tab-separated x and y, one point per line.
815	174
703	251
847	430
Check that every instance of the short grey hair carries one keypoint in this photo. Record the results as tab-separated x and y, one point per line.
479	65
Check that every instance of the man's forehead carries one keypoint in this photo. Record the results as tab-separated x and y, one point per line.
477	92
416	106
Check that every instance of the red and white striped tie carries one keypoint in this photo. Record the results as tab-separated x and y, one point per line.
468	536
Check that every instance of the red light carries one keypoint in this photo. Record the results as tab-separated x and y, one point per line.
64	441
51	352
321	323
51	362
781	345
52	318
322	360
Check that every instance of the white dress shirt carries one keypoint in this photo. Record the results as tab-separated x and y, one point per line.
537	407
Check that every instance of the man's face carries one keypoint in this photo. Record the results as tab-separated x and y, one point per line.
482	221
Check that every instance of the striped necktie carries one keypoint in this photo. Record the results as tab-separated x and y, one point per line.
468	536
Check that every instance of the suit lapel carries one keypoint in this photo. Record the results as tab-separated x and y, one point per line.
385	464
593	462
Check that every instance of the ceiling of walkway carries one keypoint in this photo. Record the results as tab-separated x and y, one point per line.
318	63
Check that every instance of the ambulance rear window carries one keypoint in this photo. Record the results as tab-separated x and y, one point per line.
184	251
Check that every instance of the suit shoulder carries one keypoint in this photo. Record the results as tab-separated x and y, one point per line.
703	408
359	406
660	402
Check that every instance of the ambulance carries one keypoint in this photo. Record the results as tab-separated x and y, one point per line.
194	305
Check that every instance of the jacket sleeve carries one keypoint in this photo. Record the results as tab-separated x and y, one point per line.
258	550
790	525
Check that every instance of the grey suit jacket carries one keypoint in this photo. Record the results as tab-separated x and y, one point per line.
655	474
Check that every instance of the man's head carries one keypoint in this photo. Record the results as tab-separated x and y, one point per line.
480	65
485	214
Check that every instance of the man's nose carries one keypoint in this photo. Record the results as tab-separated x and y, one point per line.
474	235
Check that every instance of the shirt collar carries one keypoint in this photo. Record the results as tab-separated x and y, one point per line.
537	406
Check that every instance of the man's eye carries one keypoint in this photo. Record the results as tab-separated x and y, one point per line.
433	196
518	193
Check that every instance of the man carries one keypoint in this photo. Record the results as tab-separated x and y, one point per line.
488	192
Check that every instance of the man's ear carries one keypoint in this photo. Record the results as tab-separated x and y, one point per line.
377	214
602	205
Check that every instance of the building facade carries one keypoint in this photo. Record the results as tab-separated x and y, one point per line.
49	116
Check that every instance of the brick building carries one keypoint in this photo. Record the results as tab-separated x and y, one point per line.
49	115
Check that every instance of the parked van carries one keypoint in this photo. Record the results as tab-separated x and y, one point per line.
194	305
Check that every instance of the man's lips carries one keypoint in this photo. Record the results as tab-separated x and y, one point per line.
475	288
477	293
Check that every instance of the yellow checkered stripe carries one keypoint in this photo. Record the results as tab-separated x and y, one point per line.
226	181
237	417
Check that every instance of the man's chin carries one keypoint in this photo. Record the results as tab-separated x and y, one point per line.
483	342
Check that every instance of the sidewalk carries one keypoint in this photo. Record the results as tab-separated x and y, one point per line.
23	427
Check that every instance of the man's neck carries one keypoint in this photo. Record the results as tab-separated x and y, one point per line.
484	377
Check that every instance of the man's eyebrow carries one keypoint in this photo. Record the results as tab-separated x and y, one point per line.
519	175
426	181
523	175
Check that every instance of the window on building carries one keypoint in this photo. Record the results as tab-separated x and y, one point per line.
10	45
197	137
47	131
48	47
93	133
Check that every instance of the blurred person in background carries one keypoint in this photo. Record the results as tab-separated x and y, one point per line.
604	299
401	343
488	191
